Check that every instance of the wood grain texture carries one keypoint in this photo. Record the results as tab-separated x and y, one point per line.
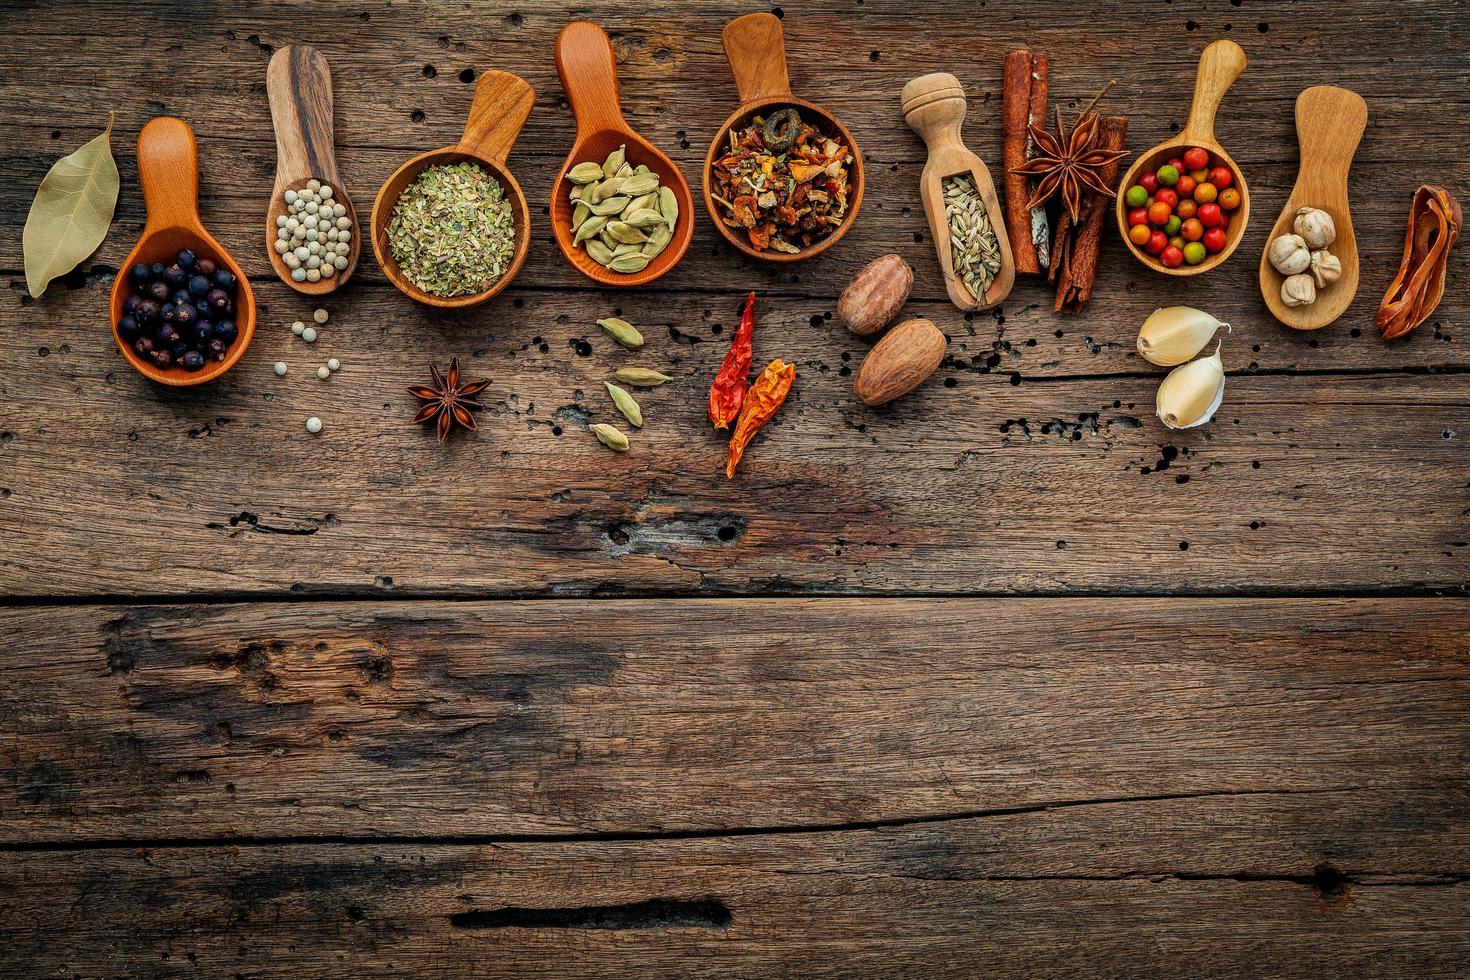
444	719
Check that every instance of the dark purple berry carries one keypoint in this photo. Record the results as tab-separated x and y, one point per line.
156	269
175	276
205	267
144	346
168	312
185	316
186	259
127	327
163	358
204	332
147	311
224	279
202	308
192	361
130	304
217	349
218	299
182	298
139	275
225	331
199	286
166	336
160	291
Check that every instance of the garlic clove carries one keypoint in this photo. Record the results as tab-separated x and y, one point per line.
1288	255
1299	290
1192	393
1326	268
1175	334
1315	227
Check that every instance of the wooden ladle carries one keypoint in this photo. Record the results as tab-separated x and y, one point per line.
934	107
502	103
299	85
168	169
589	75
1219	66
756	49
1329	123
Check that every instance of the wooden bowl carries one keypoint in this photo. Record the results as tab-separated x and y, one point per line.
168	169
1219	66
756	50
500	108
1329	123
299	85
589	75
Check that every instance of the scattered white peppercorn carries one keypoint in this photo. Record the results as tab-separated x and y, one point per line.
333	363
320	316
323	373
313	425
280	368
309	335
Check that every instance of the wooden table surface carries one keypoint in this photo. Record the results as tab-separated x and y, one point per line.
1005	677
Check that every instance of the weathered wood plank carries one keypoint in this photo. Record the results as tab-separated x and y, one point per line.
1226	886
366	719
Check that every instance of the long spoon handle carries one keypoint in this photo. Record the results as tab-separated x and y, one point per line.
1219	66
168	169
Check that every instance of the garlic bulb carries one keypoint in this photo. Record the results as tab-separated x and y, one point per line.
1326	268
1299	290
1289	255
1315	226
1192	392
1175	334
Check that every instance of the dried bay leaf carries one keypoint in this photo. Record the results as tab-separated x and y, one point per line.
71	212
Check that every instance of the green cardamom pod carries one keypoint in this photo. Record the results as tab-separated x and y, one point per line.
580	213
623	233
588	228
629	264
616	204
628	249
649	200
668	205
600	253
614	161
610	437
626	170
621	330
644	219
605	189
640	377
585	173
658	240
640	169
625	404
640	184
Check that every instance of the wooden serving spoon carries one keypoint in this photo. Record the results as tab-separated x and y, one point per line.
589	75
168	169
1329	123
1219	66
502	103
934	107
756	49
299	85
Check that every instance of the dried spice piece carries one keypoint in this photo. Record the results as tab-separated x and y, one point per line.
1434	224
641	377
974	248
728	391
1025	106
609	436
784	183
452	232
761	403
71	212
1078	246
1069	163
449	401
625	403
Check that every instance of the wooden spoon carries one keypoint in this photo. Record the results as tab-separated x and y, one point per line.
1329	123
589	75
299	85
500	108
168	169
1219	66
934	107
756	49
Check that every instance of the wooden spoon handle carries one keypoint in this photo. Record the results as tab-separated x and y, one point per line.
589	75
1219	66
502	103
756	49
1329	125
299	86
168	169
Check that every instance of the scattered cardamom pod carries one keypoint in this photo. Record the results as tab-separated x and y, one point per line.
640	377
609	436
585	173
625	404
621	330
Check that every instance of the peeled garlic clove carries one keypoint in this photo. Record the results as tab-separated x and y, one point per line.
1315	226
1299	290
1288	254
1326	268
1175	334
1192	392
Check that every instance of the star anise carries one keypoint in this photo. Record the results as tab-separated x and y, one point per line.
448	400
1068	164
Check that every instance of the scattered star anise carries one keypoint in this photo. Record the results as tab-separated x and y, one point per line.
1068	164
448	400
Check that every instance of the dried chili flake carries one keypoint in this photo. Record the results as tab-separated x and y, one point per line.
728	391
761	402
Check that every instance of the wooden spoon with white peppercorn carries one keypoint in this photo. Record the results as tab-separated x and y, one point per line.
299	85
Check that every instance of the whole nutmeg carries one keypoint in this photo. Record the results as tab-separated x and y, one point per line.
900	362
875	295
1315	226
1326	268
1289	255
1299	290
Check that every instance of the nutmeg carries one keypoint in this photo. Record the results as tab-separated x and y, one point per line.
900	362
875	295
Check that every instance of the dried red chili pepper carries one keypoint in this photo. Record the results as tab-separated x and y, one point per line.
761	402
728	391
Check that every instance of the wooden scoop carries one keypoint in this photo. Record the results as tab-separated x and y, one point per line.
934	107
756	50
1219	66
168	169
502	103
589	75
299	85
1329	123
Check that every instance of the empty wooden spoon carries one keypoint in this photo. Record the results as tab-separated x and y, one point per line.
756	49
589	74
502	103
168	169
299	85
934	107
1329	124
1219	66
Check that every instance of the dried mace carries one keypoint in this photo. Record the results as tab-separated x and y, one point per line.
449	401
1069	163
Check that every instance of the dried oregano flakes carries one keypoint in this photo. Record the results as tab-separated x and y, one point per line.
452	232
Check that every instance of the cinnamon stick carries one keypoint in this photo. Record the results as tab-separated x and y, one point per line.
1024	105
1079	267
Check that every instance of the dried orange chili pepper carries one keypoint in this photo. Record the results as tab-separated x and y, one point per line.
728	391
761	402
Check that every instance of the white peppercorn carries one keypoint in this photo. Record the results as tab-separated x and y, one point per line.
320	316
333	363
323	373
309	335
313	425
280	368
